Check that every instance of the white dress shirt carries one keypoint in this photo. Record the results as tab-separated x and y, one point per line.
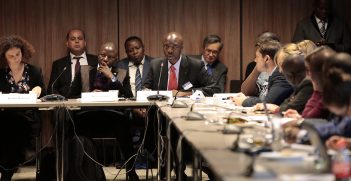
83	61
132	71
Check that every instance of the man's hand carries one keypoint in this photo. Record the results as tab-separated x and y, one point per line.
104	69
238	99
272	108
291	113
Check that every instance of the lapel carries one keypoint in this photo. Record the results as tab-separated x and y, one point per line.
183	72
315	25
164	75
68	74
146	68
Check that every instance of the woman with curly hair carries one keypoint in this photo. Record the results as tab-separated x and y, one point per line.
18	128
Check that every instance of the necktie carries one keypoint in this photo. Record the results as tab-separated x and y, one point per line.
209	69
137	80
172	79
322	29
77	66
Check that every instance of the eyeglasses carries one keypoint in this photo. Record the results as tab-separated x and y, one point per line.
108	57
214	52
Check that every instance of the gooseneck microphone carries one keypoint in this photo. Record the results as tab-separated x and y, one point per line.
159	78
52	96
158	96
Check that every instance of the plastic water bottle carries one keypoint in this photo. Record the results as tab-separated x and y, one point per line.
341	162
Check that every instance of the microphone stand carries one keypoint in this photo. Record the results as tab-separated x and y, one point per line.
52	96
158	96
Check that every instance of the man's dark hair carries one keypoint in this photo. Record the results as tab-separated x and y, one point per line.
210	39
132	38
266	36
67	35
269	48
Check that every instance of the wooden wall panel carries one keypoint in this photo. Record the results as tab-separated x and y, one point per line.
45	24
276	16
152	19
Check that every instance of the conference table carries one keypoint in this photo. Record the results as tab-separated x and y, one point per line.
62	108
209	144
205	139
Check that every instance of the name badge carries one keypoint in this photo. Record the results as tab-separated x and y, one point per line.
187	86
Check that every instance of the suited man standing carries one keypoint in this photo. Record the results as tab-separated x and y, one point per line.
179	72
69	83
212	47
324	29
136	62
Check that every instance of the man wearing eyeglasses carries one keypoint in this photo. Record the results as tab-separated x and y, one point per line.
212	47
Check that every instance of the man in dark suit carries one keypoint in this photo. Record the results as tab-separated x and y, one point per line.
324	29
69	83
112	122
179	72
212	47
136	59
278	88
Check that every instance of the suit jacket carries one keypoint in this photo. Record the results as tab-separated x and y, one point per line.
64	86
122	84
278	90
299	98
191	70
337	34
337	126
124	63
219	73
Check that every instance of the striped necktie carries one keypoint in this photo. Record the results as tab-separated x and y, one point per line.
323	29
137	80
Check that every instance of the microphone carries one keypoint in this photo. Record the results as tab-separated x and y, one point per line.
52	96
177	103
192	115
158	96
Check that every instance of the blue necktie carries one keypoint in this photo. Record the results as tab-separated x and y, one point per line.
137	80
209	69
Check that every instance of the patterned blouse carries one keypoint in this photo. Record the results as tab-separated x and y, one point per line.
21	86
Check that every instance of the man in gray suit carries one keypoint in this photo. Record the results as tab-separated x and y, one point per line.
212	47
324	29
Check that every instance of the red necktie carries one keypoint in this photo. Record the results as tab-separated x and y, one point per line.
172	79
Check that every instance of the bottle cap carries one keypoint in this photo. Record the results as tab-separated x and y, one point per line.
341	144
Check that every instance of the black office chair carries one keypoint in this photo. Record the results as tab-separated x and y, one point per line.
235	86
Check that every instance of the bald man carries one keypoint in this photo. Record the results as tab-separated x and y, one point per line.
108	76
179	72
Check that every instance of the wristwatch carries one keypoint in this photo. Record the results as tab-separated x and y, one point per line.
113	79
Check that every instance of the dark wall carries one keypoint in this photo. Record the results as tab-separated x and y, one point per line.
45	24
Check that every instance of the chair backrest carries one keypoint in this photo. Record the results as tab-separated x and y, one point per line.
235	86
